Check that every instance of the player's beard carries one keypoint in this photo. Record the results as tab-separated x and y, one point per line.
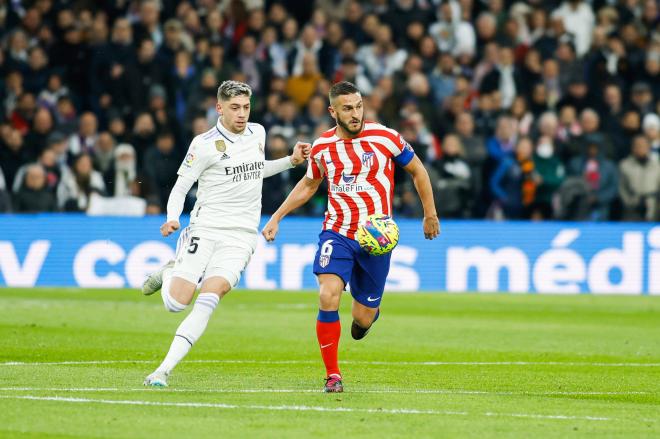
347	129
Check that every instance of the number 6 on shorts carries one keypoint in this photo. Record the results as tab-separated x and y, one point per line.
326	252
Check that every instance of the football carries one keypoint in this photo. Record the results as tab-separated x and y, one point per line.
378	234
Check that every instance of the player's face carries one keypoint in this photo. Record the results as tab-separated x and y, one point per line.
348	111
235	113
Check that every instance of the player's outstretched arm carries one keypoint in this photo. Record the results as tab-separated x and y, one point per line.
300	194
423	186
175	205
300	155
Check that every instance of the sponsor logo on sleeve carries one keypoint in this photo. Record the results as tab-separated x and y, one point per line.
188	161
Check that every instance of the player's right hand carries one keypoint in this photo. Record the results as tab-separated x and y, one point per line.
169	227
270	230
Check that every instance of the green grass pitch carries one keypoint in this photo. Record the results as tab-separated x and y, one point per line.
435	365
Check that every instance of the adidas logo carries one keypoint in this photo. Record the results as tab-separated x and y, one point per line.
224	156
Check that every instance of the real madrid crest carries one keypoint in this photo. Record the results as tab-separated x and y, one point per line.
220	145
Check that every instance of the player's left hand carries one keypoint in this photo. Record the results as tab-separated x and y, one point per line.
270	230
300	153
431	227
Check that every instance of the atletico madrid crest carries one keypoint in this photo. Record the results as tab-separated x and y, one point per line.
368	159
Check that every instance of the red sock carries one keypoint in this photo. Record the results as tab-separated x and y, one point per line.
328	335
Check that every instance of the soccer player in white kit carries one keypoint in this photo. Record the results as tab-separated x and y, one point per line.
229	164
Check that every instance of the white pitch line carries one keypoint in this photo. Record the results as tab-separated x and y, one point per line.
371	363
375	391
302	408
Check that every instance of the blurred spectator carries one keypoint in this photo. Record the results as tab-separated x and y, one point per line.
351	71
12	151
502	144
49	164
515	180
23	114
639	183
551	174
78	184
504	78
84	140
161	164
144	134
305	52
5	199
148	26
451	35
123	171
521	116
53	91
146	72
42	127
33	195
443	78
287	123
248	62
579	20
316	113
382	58
278	186
104	154
301	87
600	176
651	127
486	115
452	180
328	55
642	98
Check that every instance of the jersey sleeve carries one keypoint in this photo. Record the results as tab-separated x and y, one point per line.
195	161
403	153
314	168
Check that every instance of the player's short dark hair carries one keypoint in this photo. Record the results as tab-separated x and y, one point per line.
342	88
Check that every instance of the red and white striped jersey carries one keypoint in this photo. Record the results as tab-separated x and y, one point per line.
359	172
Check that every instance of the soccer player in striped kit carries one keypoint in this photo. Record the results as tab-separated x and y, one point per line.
357	158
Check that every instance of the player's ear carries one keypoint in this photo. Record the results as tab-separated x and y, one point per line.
218	108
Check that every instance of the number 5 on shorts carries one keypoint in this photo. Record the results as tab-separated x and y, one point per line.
326	251
193	245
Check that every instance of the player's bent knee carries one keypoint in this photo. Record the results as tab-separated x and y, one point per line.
173	305
364	316
218	285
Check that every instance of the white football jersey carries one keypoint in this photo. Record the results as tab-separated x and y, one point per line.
229	169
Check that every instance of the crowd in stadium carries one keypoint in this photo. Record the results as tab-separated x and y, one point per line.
521	110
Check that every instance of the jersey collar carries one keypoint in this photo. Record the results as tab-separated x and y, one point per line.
232	137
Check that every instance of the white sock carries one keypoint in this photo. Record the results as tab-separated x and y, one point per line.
167	281
190	330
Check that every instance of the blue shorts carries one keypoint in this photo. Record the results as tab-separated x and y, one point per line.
344	257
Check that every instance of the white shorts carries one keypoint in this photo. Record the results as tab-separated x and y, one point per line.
202	253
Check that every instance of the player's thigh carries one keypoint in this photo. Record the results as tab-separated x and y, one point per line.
182	290
192	258
334	256
368	279
225	268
